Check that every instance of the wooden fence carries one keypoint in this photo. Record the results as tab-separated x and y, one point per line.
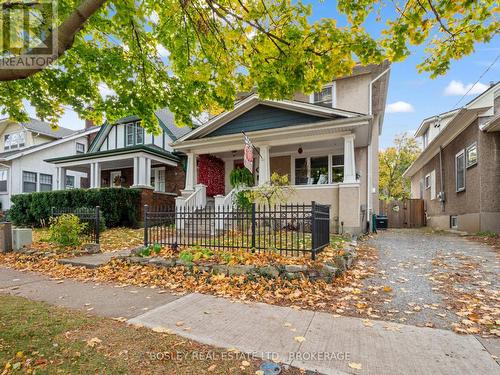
408	213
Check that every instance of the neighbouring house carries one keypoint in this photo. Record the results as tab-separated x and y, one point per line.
458	172
326	142
23	148
123	154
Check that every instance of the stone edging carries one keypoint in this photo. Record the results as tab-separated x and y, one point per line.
326	271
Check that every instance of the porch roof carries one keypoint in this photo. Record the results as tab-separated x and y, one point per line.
148	149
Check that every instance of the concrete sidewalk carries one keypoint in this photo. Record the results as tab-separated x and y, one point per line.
306	339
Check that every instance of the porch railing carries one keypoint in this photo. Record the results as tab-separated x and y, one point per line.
197	200
223	203
292	229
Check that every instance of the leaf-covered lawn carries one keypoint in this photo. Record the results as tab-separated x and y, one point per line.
40	339
112	239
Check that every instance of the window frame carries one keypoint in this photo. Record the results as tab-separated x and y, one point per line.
156	182
45	184
453	218
308	166
30	182
333	87
425	138
460	154
6	170
66	185
467	150
427	181
18	146
83	148
135	128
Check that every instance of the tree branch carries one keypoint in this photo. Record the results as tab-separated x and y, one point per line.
65	38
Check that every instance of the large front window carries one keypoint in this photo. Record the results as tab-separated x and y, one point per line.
70	182
29	182
13	141
158	179
319	170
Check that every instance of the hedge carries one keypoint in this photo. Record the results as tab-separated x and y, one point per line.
118	205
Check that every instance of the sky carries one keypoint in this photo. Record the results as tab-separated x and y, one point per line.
412	96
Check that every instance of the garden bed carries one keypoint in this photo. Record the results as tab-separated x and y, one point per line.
331	263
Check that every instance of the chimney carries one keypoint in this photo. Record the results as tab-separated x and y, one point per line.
89	124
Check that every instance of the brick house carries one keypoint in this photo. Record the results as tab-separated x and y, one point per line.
458	172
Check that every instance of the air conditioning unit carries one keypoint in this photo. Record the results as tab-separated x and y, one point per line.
441	196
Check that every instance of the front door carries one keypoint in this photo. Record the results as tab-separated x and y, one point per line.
115	179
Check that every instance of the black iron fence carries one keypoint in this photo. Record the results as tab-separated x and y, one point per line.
292	229
90	216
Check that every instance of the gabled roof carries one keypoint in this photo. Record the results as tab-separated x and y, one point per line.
460	119
42	127
165	118
14	154
252	101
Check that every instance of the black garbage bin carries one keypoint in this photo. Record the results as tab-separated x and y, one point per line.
381	222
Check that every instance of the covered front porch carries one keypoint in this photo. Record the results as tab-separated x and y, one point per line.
140	167
325	165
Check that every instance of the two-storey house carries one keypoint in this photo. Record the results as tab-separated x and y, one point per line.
23	148
458	172
326	142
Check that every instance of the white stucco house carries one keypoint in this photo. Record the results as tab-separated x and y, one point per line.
325	142
23	149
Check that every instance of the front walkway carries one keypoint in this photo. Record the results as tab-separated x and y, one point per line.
310	340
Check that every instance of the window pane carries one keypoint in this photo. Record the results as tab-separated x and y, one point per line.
29	182
129	131
80	148
45	178
319	170
324	96
460	168
471	155
301	171
139	131
337	168
70	182
337	174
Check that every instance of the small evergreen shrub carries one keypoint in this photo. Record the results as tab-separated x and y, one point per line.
66	230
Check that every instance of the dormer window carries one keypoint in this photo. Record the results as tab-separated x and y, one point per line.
14	141
134	134
425	138
325	97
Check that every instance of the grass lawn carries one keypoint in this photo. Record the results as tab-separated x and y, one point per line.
40	339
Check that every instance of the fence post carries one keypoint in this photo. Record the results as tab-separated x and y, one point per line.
313	230
97	223
146	240
253	227
52	209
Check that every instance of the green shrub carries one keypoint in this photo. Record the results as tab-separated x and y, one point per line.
118	205
186	256
241	176
66	230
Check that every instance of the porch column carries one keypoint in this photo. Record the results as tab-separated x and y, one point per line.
92	175
136	171
191	175
97	170
349	161
264	165
148	172
61	178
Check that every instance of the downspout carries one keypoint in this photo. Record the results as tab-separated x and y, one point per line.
369	158
441	180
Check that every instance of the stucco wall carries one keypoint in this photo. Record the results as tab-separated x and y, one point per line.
281	165
352	93
323	195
